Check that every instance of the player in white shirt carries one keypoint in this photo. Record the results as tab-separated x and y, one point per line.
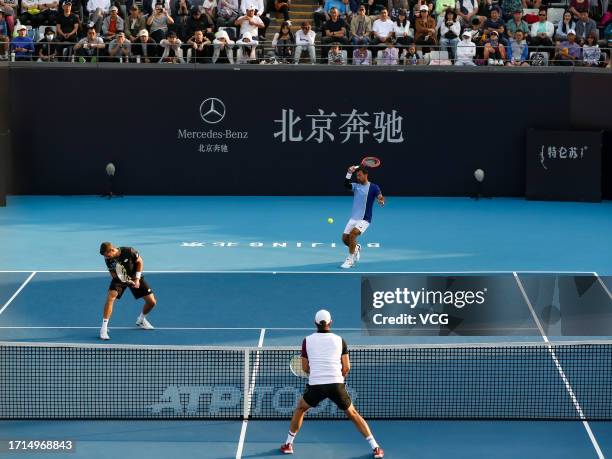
325	359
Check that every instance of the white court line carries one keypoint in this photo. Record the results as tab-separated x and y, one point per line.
570	391
298	272
604	286
178	328
6	305
251	389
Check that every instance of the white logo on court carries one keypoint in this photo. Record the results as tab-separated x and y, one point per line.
212	110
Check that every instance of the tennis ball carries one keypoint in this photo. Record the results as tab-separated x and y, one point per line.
330	220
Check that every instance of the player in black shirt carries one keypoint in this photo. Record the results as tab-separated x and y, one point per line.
125	267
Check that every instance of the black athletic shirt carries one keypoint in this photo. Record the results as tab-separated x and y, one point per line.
127	258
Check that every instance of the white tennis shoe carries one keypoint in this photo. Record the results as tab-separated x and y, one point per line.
104	334
144	324
348	263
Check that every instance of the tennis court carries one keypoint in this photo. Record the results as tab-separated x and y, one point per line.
249	273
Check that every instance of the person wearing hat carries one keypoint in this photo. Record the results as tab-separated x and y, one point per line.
47	46
361	27
466	49
425	29
247	46
542	32
134	23
325	359
22	45
66	27
90	48
145	47
515	23
223	52
112	24
494	50
259	8
250	23
568	52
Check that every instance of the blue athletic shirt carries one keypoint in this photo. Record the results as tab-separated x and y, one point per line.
363	200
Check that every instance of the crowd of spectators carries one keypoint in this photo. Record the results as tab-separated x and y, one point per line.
358	32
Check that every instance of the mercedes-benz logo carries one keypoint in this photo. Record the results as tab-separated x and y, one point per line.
212	110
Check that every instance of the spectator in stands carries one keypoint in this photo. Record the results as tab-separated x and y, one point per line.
485	9
334	31
584	27
390	54
22	45
466	10
112	24
494	51
134	23
119	49
200	48
223	53
401	30
361	27
425	29
335	56
517	23
158	23
450	29
411	56
227	12
29	13
341	5
98	9
395	6
172	52
466	50
145	48
281	6
374	7
10	9
90	48
67	27
284	43
199	21
209	8
542	31
247	48
362	56
568	52
181	11
305	39
517	50
258	7
38	12
566	24
47	46
4	38
250	23
320	15
591	54
497	24
508	7
382	28
579	6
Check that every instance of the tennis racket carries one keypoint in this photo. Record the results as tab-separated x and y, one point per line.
295	365
122	274
369	161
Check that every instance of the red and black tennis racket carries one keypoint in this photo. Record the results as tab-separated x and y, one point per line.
369	161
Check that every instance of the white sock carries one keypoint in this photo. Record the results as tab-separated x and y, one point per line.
104	324
290	438
372	442
141	317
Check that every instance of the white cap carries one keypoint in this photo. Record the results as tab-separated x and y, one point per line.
21	27
572	31
423	8
323	316
466	33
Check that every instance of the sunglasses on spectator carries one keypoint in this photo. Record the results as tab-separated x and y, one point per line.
543	15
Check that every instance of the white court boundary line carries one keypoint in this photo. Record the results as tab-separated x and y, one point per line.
604	286
6	305
297	272
570	391
249	395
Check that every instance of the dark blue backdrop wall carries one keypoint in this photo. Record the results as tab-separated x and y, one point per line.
173	130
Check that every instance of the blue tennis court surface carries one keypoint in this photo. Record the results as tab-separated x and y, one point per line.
249	271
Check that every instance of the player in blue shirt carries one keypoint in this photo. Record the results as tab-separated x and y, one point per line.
361	215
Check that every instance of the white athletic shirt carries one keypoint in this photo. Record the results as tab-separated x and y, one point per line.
324	351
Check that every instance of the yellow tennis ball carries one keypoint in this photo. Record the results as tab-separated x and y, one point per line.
330	220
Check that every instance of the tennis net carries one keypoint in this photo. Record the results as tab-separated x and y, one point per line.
565	381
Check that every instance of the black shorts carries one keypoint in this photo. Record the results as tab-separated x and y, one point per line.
313	395
139	292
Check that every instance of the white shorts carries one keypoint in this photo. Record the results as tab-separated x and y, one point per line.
361	225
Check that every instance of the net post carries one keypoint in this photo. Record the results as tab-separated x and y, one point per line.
247	398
